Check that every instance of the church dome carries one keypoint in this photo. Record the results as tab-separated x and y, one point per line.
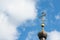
42	34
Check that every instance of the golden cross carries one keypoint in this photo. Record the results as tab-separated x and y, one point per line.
43	18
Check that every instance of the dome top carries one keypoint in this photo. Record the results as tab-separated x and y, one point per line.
42	34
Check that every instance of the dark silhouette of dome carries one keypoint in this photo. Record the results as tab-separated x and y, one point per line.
42	34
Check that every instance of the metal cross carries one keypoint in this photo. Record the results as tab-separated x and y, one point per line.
43	17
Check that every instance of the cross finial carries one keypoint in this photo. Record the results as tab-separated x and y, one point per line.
43	19
42	35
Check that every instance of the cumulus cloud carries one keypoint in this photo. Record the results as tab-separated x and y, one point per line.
32	35
12	13
19	9
54	35
7	30
57	16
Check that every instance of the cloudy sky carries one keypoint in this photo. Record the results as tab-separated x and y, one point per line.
19	19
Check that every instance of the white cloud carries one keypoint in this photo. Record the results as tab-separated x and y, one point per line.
20	9
57	16
13	12
54	35
7	30
32	36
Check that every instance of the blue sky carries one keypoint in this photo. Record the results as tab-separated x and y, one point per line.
52	9
20	20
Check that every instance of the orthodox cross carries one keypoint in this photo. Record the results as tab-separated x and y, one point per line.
43	19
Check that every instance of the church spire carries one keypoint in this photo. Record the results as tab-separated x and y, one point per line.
42	35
